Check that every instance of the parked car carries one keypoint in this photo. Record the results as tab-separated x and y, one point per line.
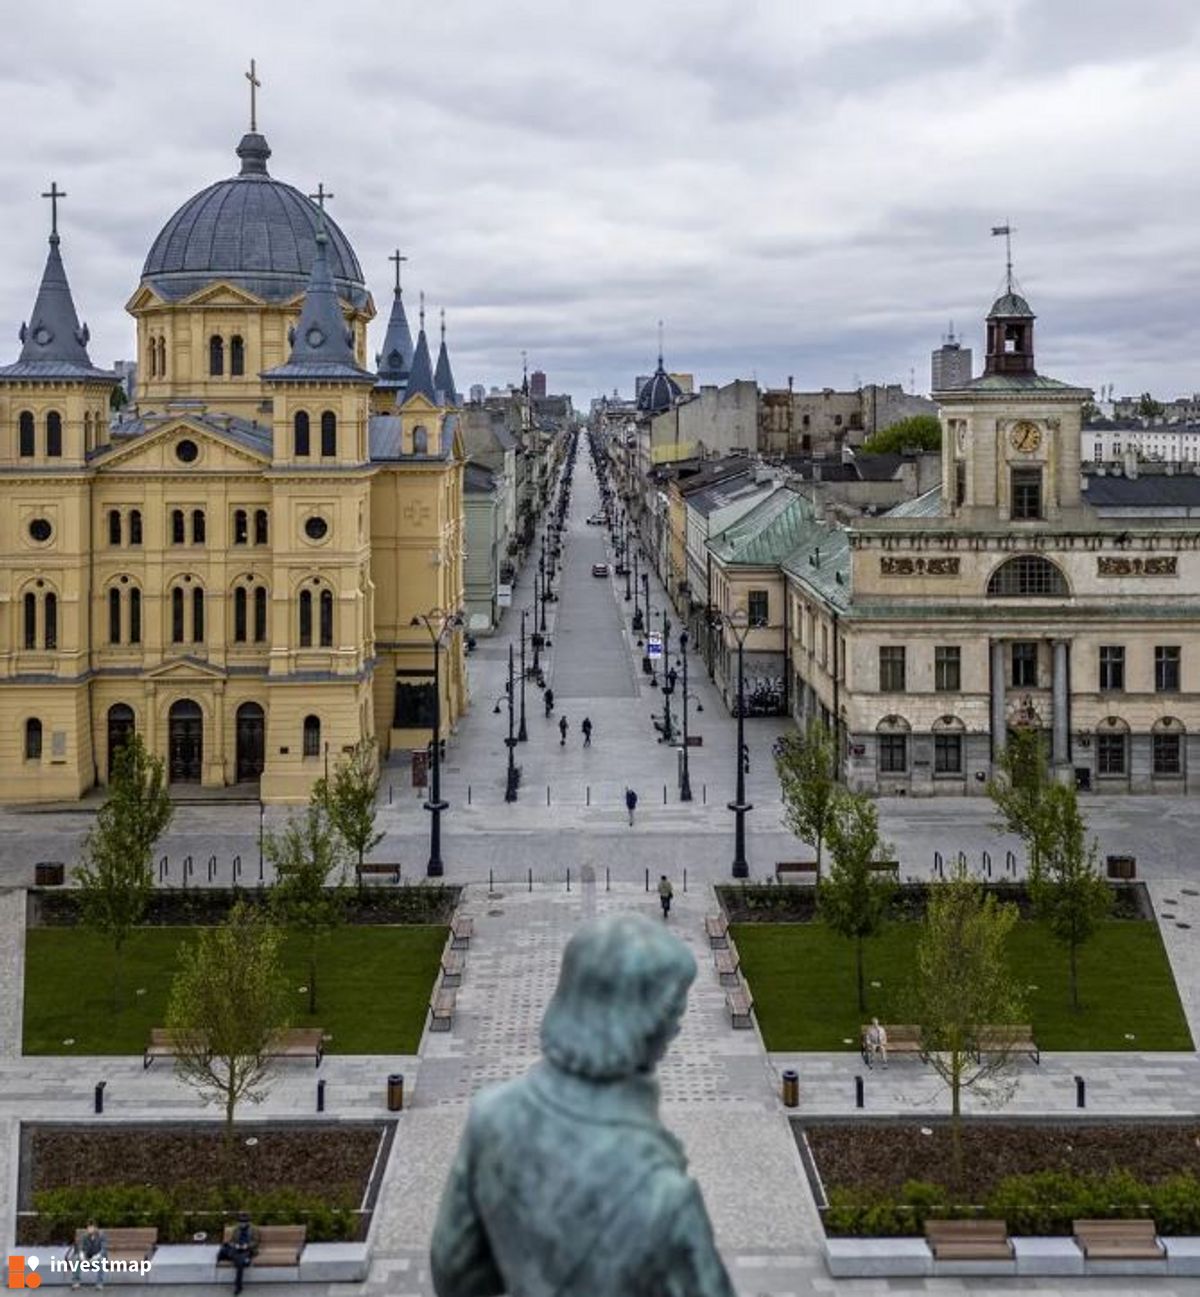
599	569
597	520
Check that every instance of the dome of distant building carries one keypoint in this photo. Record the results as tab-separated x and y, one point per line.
252	231
659	392
1010	305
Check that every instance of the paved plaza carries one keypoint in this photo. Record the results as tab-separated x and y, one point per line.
720	1088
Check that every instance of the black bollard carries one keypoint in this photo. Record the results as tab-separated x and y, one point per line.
321	1096
1080	1092
568	878
647	880
858	1092
99	1096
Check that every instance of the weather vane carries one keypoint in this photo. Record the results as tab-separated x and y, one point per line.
1007	230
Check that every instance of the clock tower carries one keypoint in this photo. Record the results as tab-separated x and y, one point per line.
1010	438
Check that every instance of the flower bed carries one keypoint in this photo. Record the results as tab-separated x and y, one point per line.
177	1179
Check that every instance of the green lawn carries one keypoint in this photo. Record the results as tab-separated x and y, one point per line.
802	976
373	986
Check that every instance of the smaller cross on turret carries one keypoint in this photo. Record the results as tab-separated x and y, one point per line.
443	324
255	85
319	198
399	260
422	313
54	194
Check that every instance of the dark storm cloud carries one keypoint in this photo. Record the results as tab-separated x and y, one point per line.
794	189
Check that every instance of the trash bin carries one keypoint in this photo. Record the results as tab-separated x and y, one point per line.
791	1089
1123	867
48	873
396	1092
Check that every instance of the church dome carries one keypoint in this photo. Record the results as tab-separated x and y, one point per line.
253	231
659	392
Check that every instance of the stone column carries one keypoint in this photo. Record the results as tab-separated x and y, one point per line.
1060	746
999	717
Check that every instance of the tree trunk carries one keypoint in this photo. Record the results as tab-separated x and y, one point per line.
956	1129
227	1143
312	979
858	959
1074	978
820	839
117	975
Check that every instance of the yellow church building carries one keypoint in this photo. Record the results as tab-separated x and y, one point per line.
241	567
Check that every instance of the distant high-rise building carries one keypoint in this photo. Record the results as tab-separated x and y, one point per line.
537	383
477	393
951	367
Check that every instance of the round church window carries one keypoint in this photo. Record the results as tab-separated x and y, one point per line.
316	528
315	337
40	530
187	451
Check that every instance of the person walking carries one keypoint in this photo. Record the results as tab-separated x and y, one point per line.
630	804
562	730
665	893
549	698
587	732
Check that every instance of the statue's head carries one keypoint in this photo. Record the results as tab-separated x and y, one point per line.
621	995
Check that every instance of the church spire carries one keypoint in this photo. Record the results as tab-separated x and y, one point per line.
420	378
53	338
443	378
395	359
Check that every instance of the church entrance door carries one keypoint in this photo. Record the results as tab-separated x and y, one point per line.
251	742
186	742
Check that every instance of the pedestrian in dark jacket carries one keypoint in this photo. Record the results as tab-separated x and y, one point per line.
587	732
239	1247
630	804
665	893
562	730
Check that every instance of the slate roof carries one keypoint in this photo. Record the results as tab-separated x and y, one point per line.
928	505
443	375
1010	305
395	360
420	378
54	343
478	480
822	561
253	231
385	443
253	436
1157	490
1014	383
659	392
766	534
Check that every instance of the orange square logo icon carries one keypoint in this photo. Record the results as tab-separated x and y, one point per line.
22	1272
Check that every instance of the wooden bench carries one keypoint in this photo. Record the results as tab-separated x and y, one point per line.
298	1042
902	1038
1014	1039
126	1244
969	1240
278	1245
462	928
740	1004
164	1043
453	963
806	867
1118	1240
378	871
716	927
441	1009
728	962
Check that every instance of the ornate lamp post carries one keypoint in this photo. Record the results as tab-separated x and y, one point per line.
668	684
522	733
685	779
739	624
510	785
637	607
542	570
440	623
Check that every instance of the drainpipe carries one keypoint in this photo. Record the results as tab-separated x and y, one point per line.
837	712
787	650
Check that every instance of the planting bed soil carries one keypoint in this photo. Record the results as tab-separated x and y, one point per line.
880	1157
295	1171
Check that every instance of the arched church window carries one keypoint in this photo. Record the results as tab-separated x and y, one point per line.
30	620
177	616
135	526
237	356
135	616
54	434
328	434
114	526
216	355
260	614
50	616
1027	574
305	619
197	526
312	736
177	527
420	440
25	426
239	615
300	434
326	619
241	527
114	616
197	615
260	527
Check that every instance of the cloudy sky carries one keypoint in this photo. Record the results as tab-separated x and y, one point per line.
794	188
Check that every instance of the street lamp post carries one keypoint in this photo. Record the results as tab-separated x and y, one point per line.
625	552
542	570
740	625
637	607
685	780
522	733
439	623
668	684
510	787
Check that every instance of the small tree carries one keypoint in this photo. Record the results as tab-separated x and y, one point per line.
1067	890
962	983
115	875
1021	790
228	1000
349	799
309	893
806	765
853	898
1148	407
920	432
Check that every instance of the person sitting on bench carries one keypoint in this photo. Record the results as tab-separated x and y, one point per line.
876	1042
240	1250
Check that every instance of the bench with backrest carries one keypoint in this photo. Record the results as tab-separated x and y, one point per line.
453	963
740	1004
969	1240
164	1043
126	1244
378	871
462	928
807	869
1118	1240
278	1245
716	928
902	1038
1012	1038
298	1042
441	1009
728	963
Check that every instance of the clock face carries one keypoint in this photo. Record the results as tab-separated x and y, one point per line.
1026	437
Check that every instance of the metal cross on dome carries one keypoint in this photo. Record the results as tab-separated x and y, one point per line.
54	194
399	260
255	85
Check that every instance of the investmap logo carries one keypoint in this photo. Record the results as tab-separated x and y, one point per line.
23	1272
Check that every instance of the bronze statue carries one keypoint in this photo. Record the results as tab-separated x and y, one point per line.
566	1183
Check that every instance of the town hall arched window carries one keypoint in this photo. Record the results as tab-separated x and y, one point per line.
300	434
135	526
216	355
197	526
29	604
260	526
312	736
54	434
33	739
26	432
114	526
197	615
260	614
135	616
328	434
306	619
177	527
50	616
241	527
239	615
1027	574
237	356
177	616
114	616
326	619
